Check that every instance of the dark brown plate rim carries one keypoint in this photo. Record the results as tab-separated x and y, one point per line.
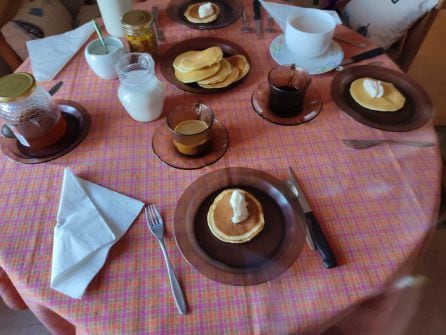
417	110
230	11
229	48
11	147
200	190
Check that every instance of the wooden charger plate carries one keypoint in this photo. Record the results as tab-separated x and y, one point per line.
266	256
417	110
230	11
229	49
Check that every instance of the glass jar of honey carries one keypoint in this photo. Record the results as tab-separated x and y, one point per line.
140	32
29	111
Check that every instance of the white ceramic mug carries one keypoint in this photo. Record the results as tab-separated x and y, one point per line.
309	32
101	63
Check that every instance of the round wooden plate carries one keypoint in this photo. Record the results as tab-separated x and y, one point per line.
266	256
78	124
229	49
417	110
230	11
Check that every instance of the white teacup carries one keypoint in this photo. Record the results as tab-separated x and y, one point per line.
309	33
101	63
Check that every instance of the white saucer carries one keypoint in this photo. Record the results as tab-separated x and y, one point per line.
328	61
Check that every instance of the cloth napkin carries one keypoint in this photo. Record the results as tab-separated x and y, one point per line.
49	55
279	12
90	220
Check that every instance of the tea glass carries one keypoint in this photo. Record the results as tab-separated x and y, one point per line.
287	87
191	128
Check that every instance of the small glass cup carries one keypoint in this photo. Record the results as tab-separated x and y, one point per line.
287	87
191	128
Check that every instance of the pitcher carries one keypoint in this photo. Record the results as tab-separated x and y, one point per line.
140	91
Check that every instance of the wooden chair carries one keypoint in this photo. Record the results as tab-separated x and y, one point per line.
405	49
7	12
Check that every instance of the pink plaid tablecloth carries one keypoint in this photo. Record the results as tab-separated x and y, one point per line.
376	206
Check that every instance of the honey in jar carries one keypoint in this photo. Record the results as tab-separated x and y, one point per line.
140	32
29	111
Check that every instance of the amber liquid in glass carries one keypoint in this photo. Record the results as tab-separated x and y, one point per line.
40	130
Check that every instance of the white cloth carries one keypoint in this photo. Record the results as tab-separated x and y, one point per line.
49	55
279	12
90	220
383	21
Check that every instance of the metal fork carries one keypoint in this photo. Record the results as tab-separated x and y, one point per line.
364	144
156	226
159	32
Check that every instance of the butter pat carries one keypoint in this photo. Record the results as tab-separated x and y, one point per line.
374	88
239	207
205	10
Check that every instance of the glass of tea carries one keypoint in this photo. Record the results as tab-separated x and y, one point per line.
190	126
287	87
29	111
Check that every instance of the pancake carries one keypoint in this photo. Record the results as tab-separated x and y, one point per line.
391	101
240	62
193	76
192	15
222	74
228	81
220	223
195	60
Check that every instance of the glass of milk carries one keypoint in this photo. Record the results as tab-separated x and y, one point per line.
140	92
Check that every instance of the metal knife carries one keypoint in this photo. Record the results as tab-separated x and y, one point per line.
365	55
317	236
257	18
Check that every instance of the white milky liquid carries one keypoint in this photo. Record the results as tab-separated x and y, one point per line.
99	49
310	25
143	102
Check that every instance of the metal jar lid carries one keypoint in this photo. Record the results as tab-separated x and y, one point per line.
136	20
15	86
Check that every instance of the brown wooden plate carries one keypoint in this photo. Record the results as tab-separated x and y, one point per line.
78	125
229	49
230	11
417	110
266	256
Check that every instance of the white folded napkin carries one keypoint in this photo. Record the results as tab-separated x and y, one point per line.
90	220
279	12
49	55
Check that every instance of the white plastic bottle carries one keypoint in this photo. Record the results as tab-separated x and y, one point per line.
112	12
140	92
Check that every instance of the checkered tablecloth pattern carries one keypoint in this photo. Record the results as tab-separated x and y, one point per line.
376	206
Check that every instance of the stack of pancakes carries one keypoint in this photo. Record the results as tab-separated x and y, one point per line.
221	225
391	101
209	69
192	15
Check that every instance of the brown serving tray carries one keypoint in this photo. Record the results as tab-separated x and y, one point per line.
266	256
229	48
417	110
